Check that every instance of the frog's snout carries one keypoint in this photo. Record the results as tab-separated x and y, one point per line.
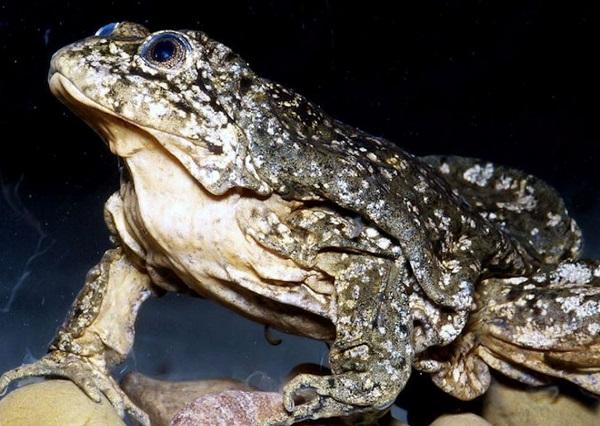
54	63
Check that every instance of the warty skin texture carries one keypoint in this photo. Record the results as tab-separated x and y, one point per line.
243	191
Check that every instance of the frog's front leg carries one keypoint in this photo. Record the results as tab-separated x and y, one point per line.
372	354
97	334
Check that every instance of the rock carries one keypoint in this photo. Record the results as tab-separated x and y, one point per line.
231	408
395	422
245	408
55	403
506	404
161	400
466	419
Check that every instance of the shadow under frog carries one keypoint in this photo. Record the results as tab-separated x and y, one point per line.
245	192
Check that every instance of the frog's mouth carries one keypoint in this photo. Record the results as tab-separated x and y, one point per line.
123	137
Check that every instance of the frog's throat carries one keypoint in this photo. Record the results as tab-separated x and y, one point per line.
123	136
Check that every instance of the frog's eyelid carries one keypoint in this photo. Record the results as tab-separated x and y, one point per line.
167	33
107	30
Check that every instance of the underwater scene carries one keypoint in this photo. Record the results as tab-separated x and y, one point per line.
317	213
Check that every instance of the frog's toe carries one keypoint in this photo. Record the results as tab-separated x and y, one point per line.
82	372
43	367
138	414
308	410
133	410
121	402
95	382
306	388
310	397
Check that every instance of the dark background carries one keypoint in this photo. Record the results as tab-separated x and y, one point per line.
512	82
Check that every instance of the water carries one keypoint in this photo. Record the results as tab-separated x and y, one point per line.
496	82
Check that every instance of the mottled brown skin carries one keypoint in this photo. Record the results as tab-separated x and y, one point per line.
245	192
530	329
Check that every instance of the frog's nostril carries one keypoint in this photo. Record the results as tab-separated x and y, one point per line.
107	30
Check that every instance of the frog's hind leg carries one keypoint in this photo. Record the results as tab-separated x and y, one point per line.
525	207
524	365
546	326
531	329
371	357
588	359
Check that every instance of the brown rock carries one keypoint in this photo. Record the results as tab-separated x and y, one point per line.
231	408
161	400
506	404
396	422
243	408
466	419
55	403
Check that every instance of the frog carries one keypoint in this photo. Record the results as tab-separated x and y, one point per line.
240	190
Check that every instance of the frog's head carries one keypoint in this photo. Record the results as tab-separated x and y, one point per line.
173	89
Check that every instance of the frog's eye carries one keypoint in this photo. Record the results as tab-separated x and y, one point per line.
166	50
107	30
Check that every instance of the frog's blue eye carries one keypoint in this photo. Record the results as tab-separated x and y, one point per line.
165	49
107	30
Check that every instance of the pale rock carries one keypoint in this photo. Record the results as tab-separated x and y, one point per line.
465	419
507	405
55	403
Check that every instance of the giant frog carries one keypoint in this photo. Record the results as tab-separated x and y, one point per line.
243	191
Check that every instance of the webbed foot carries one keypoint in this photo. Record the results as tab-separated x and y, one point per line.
351	396
86	372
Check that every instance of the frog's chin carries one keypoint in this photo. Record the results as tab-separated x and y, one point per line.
123	137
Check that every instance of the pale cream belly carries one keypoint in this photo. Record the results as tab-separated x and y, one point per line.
166	218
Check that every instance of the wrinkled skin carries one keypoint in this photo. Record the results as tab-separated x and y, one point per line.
243	191
530	329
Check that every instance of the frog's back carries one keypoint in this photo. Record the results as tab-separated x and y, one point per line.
523	206
304	154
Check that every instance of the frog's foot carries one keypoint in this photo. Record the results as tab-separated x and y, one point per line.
342	395
85	373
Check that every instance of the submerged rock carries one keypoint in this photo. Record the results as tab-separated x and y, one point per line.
508	405
55	403
231	408
250	408
161	400
466	419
